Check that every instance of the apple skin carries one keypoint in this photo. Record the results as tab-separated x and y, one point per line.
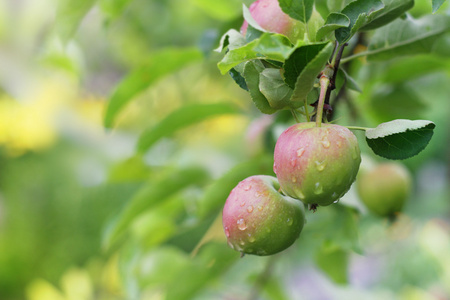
258	220
316	164
268	15
385	188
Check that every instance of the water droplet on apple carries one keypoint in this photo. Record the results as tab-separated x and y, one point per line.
251	238
227	232
293	162
318	189
293	179
260	207
250	208
247	188
320	165
241	224
242	203
300	195
325	143
300	152
289	221
261	252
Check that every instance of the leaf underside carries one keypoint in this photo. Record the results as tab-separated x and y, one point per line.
400	139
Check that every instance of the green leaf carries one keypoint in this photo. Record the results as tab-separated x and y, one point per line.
334	261
400	139
410	67
305	81
238	78
407	37
337	223
167	262
156	225
274	46
351	83
436	4
252	33
333	22
113	8
224	10
217	193
322	7
160	64
213	261
239	55
231	39
391	11
155	192
273	87
298	9
181	118
132	169
298	61
269	46
252	78
69	16
360	12
390	102
337	5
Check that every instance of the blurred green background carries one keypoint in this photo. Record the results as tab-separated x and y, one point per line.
65	180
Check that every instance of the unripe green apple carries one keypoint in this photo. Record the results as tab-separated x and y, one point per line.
316	164
268	15
385	188
257	219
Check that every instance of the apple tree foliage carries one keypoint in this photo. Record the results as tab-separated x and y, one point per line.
388	64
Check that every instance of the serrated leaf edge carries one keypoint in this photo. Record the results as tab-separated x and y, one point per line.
387	128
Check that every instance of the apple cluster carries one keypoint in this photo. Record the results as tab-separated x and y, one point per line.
264	215
314	165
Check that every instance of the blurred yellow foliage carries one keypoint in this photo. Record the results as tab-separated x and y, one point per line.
80	284
218	130
32	123
25	126
29	124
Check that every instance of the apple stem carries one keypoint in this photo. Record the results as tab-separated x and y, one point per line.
324	83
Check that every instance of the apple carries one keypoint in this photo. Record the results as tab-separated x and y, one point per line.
268	15
258	219
316	164
385	188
